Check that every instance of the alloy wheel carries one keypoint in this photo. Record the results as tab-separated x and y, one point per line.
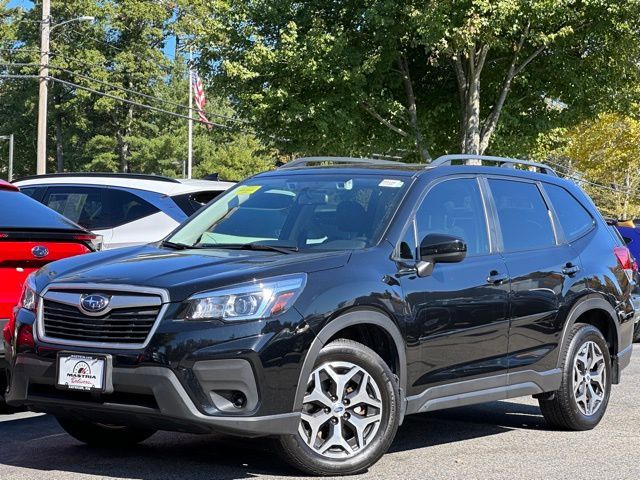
589	378
342	410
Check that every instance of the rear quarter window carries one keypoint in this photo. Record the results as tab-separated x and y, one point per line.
574	218
126	207
190	203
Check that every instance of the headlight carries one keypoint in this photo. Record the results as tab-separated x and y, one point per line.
29	299
246	301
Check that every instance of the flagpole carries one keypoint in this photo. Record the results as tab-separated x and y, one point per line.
190	142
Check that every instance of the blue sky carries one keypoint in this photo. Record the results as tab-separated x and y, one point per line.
28	5
21	3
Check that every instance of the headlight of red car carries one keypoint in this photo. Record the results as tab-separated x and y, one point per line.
28	301
29	298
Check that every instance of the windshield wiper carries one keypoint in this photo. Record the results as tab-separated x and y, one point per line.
250	246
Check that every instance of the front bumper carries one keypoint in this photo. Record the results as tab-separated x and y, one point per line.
144	396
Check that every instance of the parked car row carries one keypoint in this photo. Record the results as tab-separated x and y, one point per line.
125	209
322	302
73	214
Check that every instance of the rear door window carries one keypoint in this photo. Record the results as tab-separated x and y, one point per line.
524	217
82	205
574	218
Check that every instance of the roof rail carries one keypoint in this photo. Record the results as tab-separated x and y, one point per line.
501	161
138	176
304	161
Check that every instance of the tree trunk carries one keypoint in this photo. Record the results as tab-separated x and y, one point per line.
123	135
627	194
472	128
475	134
412	110
468	72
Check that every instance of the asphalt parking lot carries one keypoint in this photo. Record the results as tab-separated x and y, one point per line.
502	440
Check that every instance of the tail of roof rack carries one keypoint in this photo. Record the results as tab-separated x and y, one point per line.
501	161
137	176
306	161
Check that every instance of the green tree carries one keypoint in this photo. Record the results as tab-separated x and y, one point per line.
122	49
409	78
603	156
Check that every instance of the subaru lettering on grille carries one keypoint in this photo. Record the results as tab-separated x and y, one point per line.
94	303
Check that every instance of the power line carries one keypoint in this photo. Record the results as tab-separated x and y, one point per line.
20	50
134	103
118	87
11	76
115	97
572	175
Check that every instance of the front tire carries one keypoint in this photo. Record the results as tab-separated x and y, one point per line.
582	399
102	435
636	333
350	414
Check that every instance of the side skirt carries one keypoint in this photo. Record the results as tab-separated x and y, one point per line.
482	390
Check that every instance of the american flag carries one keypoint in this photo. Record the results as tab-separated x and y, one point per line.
199	98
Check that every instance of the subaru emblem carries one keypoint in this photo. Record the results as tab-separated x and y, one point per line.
94	303
40	251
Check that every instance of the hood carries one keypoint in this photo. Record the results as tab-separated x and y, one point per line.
185	272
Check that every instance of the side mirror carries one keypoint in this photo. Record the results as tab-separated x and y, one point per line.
440	248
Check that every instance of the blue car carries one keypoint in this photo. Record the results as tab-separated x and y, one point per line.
630	234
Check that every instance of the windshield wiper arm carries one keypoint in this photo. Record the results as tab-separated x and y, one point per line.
270	248
250	246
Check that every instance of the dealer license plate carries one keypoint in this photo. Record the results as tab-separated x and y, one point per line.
81	372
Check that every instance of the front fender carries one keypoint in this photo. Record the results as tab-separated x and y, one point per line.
354	317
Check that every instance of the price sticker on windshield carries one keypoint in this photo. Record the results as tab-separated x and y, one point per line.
247	189
390	183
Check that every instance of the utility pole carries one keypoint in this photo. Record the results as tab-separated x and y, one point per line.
43	91
10	176
10	138
45	26
190	141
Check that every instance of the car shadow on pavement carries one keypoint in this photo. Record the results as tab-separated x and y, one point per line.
38	443
465	423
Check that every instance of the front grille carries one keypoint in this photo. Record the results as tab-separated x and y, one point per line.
121	325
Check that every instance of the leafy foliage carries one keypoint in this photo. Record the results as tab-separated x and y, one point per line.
409	78
124	48
606	153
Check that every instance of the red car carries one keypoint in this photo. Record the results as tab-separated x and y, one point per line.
31	235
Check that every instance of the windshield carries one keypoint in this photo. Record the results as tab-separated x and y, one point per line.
302	212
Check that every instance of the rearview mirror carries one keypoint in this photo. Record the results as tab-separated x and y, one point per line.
440	248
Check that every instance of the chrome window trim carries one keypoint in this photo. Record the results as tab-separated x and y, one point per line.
39	332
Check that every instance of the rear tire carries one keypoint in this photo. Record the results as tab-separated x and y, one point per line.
636	333
344	430
102	435
582	399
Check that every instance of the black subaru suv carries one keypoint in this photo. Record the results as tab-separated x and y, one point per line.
321	304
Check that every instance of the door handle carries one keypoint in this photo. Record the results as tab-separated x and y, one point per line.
570	269
497	278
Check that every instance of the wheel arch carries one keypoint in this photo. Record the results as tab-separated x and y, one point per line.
594	310
360	317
